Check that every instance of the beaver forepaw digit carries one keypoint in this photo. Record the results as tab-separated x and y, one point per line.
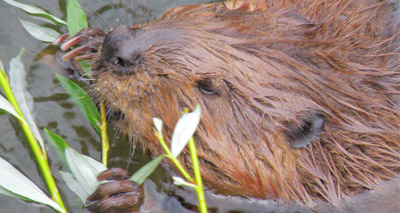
117	195
88	41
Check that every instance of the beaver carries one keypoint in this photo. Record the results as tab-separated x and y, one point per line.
300	99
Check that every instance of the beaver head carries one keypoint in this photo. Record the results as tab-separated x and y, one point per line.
292	107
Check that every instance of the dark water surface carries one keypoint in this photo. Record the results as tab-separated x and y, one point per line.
54	110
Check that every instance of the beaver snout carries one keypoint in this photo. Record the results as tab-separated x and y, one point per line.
124	49
121	49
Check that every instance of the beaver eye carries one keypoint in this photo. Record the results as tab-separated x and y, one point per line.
206	87
206	91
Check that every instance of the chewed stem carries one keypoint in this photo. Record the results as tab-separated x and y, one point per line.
105	146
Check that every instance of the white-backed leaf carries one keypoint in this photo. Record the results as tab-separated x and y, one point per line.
140	176
184	129
181	182
84	169
15	182
2	70
41	33
158	124
6	105
7	193
24	98
74	185
36	11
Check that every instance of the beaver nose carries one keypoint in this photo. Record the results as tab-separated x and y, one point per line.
122	48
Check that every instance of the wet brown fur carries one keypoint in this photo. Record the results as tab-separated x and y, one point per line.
268	66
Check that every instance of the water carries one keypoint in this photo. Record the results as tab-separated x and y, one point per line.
53	108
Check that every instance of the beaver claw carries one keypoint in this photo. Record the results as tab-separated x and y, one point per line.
88	41
118	194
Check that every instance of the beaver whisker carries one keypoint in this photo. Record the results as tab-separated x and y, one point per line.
153	111
136	136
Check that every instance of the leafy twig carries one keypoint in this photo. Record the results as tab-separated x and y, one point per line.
37	150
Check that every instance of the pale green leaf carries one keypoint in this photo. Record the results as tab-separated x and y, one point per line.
36	11
7	193
15	182
6	106
74	185
41	33
24	98
140	176
58	144
84	169
184	129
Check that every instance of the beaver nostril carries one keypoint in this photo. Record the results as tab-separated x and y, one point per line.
117	61
309	127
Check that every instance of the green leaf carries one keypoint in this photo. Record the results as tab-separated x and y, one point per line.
75	17
140	176
184	129
74	185
84	169
24	98
85	65
82	100
14	182
58	144
6	106
41	33
36	11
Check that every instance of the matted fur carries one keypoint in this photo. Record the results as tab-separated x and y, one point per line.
266	66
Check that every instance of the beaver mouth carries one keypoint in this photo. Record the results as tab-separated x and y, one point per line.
115	115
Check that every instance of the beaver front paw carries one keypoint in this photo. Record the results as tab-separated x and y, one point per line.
117	194
88	42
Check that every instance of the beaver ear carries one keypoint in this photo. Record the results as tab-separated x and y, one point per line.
306	129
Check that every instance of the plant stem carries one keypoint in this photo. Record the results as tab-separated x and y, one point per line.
40	156
173	158
105	146
197	176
